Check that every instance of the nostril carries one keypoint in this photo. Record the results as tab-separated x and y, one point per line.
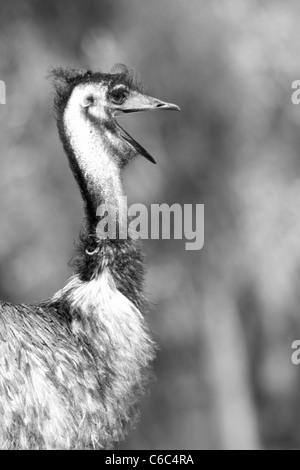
160	105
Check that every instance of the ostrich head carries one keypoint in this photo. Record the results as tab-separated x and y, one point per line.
100	98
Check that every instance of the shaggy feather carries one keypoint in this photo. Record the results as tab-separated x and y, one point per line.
77	367
66	79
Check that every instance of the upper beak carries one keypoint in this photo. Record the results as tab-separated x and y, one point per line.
137	102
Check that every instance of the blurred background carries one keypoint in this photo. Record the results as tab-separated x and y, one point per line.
225	316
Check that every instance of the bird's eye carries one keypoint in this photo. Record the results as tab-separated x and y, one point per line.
118	96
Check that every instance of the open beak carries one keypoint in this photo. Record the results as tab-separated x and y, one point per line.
137	102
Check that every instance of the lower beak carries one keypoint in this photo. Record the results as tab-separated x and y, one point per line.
138	102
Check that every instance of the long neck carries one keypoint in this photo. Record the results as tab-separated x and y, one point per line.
93	151
91	148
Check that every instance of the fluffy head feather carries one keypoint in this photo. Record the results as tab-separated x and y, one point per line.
65	80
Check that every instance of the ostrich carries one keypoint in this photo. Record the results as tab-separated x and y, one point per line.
73	367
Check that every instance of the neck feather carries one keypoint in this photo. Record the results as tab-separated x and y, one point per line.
92	150
94	153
